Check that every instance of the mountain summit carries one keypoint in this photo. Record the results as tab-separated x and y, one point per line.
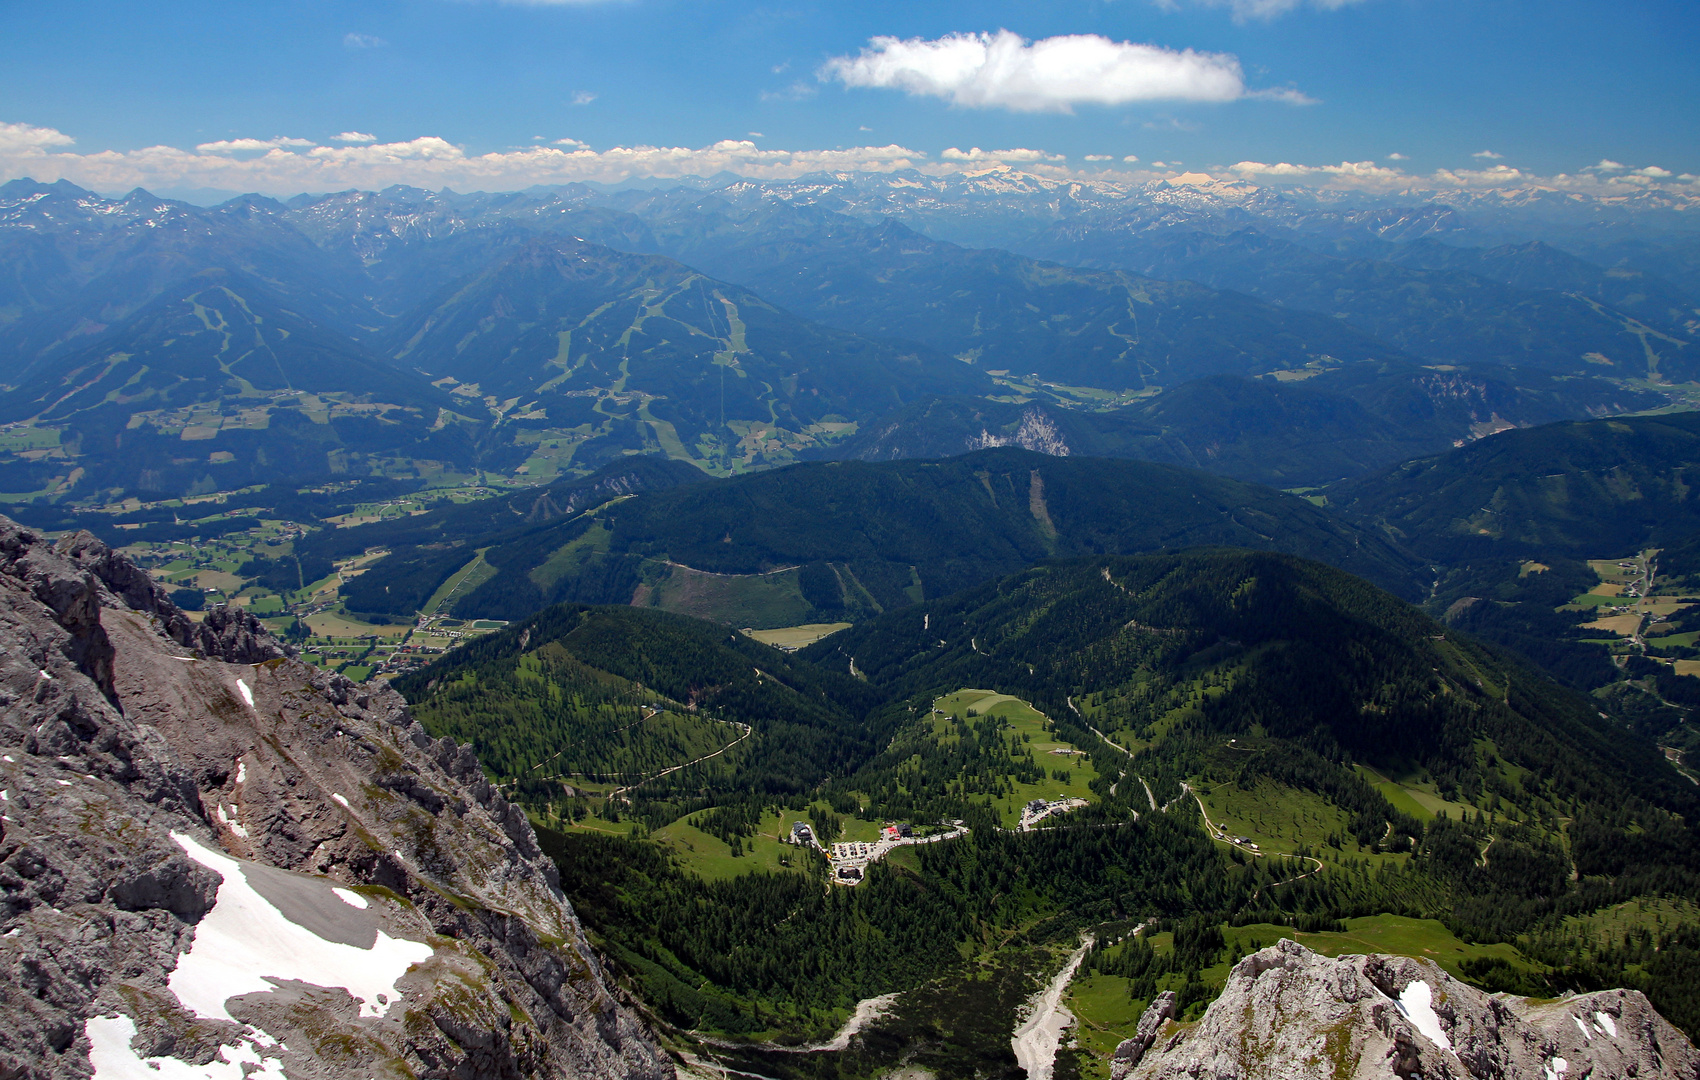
217	861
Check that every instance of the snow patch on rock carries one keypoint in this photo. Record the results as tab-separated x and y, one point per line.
111	1058
245	943
351	898
230	821
1414	1002
1605	1023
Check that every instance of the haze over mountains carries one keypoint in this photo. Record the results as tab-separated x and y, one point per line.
744	324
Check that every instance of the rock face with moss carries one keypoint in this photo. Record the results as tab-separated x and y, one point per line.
216	861
1288	1013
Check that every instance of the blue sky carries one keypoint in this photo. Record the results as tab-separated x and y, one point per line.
1551	87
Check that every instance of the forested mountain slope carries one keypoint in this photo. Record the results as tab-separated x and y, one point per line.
1443	308
1602	487
1329	423
218	383
1003	311
1229	643
648	351
1383	764
849	539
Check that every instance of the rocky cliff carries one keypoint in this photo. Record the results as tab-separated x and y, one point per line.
1287	1013
218	862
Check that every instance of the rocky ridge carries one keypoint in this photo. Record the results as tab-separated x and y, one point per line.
219	862
1288	1013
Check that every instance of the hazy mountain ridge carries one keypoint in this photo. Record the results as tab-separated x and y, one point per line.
476	288
846	540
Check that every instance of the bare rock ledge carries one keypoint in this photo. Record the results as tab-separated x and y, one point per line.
219	862
1288	1013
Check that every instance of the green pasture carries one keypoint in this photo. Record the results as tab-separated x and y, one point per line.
1021	719
760	601
711	858
1654	914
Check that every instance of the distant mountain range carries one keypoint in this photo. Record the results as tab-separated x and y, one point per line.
745	325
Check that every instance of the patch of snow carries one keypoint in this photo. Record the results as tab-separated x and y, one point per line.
352	899
1414	1002
63	783
1583	1028
45	675
241	771
340	800
5	796
230	821
1555	1069
9	760
244	943
247	694
13	932
111	1058
1605	1024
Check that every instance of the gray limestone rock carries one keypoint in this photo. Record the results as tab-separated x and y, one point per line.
374	907
1129	1051
1288	1013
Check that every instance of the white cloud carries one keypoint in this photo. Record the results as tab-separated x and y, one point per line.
1260	9
1395	156
1286	95
1493	176
977	154
1347	170
755	135
583	97
276	142
355	137
1488	155
1102	157
22	138
1606	165
288	166
363	41
1007	71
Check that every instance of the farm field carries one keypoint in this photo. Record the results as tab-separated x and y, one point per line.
795	637
1420	800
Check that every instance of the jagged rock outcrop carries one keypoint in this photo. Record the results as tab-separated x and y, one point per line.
1288	1013
1130	1051
216	861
